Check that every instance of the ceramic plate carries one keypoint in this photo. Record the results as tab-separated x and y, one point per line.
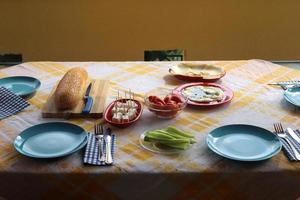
108	114
21	85
228	94
292	95
150	146
243	142
50	140
197	72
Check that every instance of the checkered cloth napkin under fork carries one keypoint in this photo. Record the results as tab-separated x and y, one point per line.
91	155
10	103
287	149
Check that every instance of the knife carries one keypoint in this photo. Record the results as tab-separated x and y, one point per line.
108	142
88	100
296	82
293	134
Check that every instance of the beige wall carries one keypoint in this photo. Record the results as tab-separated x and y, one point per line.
122	29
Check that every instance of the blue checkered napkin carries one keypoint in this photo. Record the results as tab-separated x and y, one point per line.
286	148
10	103
91	154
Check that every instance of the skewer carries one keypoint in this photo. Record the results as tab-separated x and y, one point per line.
118	99
130	102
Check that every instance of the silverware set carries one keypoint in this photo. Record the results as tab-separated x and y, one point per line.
282	134
104	136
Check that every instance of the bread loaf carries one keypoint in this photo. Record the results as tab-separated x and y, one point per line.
70	89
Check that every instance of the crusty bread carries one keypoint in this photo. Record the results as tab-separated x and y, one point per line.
70	89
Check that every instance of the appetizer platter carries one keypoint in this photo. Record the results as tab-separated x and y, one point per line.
164	104
123	112
205	94
197	72
76	96
167	141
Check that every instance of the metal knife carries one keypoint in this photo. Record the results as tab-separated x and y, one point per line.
296	82
293	134
88	100
108	142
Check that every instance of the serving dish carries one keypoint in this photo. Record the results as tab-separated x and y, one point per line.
21	85
169	140
155	148
197	72
243	142
50	140
108	114
164	104
227	97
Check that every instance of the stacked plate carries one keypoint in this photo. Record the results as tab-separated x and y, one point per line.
51	140
23	86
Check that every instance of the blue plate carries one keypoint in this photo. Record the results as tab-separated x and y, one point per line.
243	142
21	85
51	140
292	95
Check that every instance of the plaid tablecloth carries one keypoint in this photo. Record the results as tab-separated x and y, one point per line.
139	174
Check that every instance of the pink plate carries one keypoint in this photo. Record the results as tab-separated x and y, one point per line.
227	92
108	114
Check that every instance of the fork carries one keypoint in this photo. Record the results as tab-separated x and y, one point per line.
280	133
98	128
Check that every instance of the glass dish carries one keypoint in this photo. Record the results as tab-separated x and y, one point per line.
165	111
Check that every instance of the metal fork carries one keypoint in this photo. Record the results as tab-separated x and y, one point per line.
98	128
281	133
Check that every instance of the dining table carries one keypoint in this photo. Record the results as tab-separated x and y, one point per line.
197	173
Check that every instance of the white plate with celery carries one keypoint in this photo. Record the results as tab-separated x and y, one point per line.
167	141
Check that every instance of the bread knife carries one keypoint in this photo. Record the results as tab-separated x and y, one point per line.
293	135
88	100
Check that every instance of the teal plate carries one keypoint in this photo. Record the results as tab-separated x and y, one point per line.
292	95
51	140
21	85
243	142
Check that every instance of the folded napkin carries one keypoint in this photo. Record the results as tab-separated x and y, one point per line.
91	155
10	103
286	148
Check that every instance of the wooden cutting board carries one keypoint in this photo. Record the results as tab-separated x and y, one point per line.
98	92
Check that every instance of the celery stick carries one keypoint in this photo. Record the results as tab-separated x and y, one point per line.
159	135
160	138
172	134
182	146
172	129
192	140
176	141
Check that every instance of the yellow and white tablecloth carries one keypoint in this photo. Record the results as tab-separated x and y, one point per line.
139	174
